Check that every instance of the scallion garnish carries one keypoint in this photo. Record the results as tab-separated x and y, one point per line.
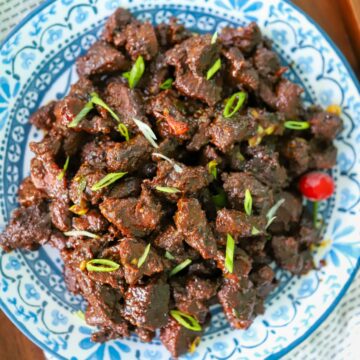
136	72
212	168
78	209
101	265
186	320
255	231
176	167
166	84
297	125
214	38
95	99
63	171
81	233
84	111
219	199
194	344
229	255
167	189
248	202
214	69
143	257
147	132
123	130
270	215
180	267
230	109
169	256
108	180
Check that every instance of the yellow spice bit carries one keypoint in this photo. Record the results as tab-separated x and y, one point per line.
254	113
78	209
335	109
134	261
82	265
322	245
270	129
254	141
194	344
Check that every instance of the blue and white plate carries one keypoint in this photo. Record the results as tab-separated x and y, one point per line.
36	65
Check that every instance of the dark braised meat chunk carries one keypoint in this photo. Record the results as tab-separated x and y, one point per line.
172	185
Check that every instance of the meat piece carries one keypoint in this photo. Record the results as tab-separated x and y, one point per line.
200	138
176	338
101	58
238	224
288	99
141	40
92	221
44	117
325	125
147	306
297	152
263	279
115	24
235	159
238	304
82	88
127	156
66	110
130	251
245	38
158	73
235	185
93	153
191	221
72	142
170	239
267	63
225	132
29	194
322	154
60	215
28	228
172	33
128	187
144	335
49	146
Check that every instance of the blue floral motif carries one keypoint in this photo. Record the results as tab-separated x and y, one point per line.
282	313
305	64
220	346
326	97
54	36
112	4
7	92
344	162
347	197
31	292
152	354
306	288
81	16
13	263
58	318
27	59
279	36
250	334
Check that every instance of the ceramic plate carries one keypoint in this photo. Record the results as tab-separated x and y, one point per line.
36	65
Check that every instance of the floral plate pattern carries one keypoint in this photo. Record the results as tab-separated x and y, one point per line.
36	65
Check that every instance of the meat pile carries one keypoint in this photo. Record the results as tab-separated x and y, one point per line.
166	225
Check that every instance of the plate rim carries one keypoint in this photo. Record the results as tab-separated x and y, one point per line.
346	286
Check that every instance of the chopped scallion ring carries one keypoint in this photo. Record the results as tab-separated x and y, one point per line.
248	202
166	84
297	125
169	256
214	69
212	168
123	130
108	180
136	72
270	215
255	231
230	109
186	320
63	171
101	265
81	233
230	251
143	257
147	132
167	189
180	267
83	112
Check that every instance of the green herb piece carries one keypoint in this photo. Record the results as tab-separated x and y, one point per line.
230	109
180	267
177	167
255	231
95	99
214	69
80	315
212	168
186	320
83	112
219	199
136	72
214	38
143	257
297	125
101	265
270	215
147	132
108	180
123	130
63	171
169	256
166	84
81	233
166	189
229	256
248	202
126	75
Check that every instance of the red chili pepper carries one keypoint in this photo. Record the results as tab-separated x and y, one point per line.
177	127
316	186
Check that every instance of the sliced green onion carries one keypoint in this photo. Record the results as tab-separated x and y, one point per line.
230	109
212	168
177	167
169	256
186	320
166	189
214	69
95	99
214	38
83	112
255	231
297	125
229	256
136	72
63	171
180	267
78	209
101	265
166	84
79	314
270	215
81	233
219	199
126	75
248	202
123	130
143	257
147	132
240	156
108	180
